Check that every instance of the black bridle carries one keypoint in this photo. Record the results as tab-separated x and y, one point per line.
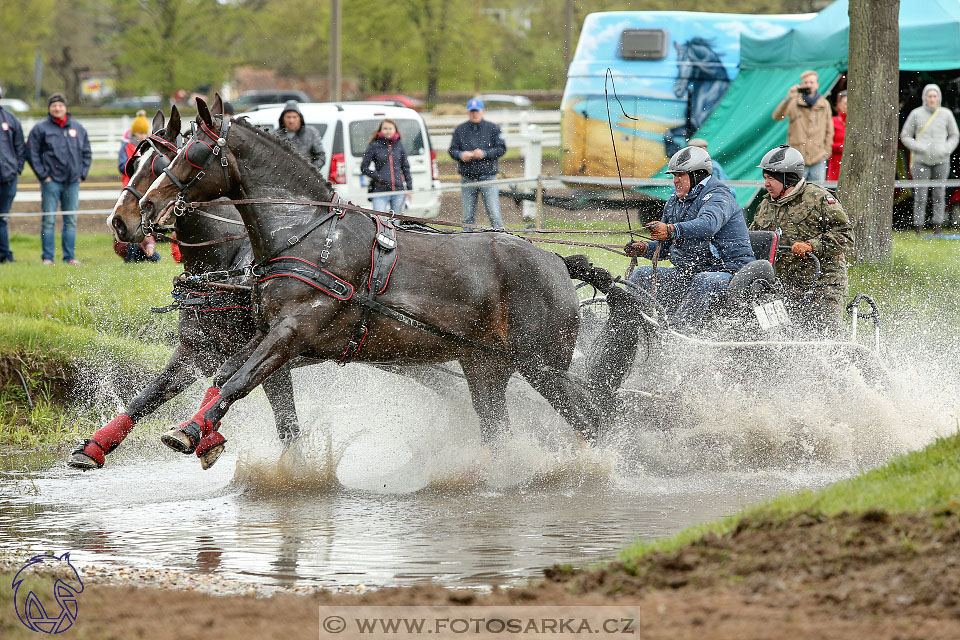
198	153
165	152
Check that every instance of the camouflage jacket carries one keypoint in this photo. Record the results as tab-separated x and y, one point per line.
809	214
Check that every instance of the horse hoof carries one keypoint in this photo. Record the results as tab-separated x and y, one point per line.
210	456
179	441
83	462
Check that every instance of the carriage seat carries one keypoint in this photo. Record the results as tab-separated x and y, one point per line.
764	245
758	275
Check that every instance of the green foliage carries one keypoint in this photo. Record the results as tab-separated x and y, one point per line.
24	31
166	45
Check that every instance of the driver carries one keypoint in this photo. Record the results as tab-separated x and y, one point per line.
702	233
808	219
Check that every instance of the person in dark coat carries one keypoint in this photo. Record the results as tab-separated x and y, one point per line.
13	153
476	145
390	170
60	155
305	139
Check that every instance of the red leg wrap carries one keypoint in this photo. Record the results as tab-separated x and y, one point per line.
209	441
208	395
211	398
108	438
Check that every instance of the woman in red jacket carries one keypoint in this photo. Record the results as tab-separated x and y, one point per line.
839	129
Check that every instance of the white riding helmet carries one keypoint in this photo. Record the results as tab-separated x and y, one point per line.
783	159
690	159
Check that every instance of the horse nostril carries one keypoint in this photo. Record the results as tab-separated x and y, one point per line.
119	225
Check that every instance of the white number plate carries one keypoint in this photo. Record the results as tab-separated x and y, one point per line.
771	315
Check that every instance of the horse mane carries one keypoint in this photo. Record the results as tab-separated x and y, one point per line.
282	144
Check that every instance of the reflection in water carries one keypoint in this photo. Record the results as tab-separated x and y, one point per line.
394	488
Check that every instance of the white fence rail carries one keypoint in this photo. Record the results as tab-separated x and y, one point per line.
106	133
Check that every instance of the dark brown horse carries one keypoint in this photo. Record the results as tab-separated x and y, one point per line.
212	326
493	302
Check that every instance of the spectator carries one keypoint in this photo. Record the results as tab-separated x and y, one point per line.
718	171
60	157
808	219
476	145
391	169
139	131
305	139
145	251
930	133
13	153
839	131
811	125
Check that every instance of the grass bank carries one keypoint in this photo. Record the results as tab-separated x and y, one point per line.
60	323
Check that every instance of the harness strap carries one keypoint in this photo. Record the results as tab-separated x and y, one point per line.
381	267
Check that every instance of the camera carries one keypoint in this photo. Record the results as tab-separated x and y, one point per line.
804	90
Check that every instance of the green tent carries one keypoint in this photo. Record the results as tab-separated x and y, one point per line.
740	129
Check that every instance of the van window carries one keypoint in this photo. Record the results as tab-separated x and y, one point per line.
411	135
643	44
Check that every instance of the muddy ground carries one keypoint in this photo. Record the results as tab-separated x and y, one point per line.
850	576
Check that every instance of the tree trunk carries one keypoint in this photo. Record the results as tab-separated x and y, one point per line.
870	147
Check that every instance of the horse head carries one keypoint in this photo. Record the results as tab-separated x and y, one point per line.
204	169
696	62
148	162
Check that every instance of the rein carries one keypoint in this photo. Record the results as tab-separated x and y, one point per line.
429	221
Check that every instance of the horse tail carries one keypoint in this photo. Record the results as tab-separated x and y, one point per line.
580	268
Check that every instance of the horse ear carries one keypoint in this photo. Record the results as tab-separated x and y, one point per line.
217	107
173	127
203	112
157	122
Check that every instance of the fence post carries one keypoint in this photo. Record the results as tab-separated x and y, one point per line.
539	204
532	168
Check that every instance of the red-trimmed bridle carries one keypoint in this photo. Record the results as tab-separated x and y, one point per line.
198	154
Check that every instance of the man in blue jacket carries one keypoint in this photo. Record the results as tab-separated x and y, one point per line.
702	233
476	145
60	156
13	153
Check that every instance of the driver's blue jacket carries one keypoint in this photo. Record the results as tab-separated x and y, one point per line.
710	230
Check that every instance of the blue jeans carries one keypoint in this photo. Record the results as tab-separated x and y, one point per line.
67	196
491	201
386	203
686	297
7	191
816	172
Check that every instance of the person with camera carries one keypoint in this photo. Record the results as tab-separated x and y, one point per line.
810	130
390	170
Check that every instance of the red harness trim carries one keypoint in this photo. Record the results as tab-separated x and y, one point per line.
346	352
187	151
773	249
165	143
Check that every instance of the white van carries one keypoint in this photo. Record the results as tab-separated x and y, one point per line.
346	128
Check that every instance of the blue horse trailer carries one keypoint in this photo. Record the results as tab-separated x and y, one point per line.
669	69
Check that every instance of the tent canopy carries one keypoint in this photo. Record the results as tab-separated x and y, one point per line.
741	128
929	39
